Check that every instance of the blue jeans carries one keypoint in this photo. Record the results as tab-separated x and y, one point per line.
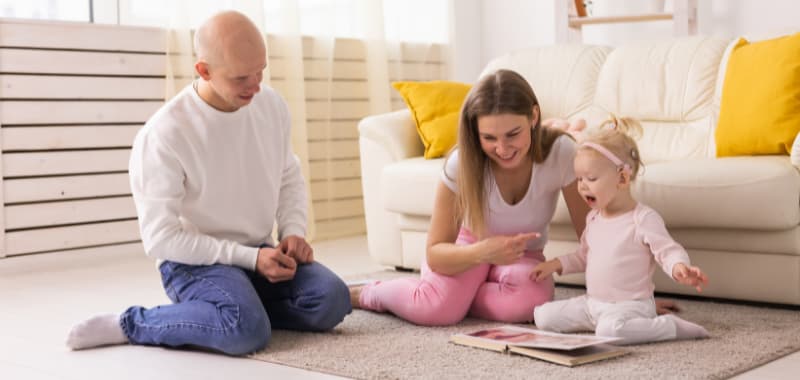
232	310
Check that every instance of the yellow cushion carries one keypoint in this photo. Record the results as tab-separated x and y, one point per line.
436	107
760	109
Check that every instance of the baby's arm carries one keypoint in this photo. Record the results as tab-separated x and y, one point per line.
689	275
672	257
544	270
572	263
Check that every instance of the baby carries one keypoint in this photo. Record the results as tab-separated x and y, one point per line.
619	249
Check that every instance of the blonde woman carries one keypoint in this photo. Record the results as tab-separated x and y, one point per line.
496	197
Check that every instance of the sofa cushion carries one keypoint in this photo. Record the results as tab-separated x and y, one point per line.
435	106
668	85
409	186
760	110
564	77
755	193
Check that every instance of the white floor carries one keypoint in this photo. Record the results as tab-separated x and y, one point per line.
41	296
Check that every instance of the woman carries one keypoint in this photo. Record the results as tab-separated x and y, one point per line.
496	197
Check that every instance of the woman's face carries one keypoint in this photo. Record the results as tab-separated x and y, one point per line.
505	138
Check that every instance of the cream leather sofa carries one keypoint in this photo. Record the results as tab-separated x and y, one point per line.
738	217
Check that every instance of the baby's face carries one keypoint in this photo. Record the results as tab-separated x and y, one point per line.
598	178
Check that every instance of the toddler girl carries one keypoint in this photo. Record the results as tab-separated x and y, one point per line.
619	249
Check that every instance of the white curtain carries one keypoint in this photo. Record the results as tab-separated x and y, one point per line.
292	56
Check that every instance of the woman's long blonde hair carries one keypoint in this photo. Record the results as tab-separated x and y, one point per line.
503	92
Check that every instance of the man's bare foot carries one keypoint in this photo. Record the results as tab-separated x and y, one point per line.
666	307
355	294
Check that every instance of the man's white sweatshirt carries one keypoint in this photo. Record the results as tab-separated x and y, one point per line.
209	186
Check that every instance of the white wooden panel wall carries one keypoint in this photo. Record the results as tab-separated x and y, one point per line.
337	97
72	97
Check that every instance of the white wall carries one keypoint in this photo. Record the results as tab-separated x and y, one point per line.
507	25
465	40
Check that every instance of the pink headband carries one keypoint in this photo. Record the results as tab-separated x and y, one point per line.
611	156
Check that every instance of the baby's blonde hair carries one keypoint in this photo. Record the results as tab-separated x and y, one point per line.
618	135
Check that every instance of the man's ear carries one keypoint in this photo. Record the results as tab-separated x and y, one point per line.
202	69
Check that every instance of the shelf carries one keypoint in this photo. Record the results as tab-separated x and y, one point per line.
569	26
577	22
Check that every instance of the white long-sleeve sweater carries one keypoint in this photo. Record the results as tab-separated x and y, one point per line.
209	186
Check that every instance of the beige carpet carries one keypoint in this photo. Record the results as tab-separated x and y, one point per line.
378	346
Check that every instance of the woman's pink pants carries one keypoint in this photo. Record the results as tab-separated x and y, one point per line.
495	292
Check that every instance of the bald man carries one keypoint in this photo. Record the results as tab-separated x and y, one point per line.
211	173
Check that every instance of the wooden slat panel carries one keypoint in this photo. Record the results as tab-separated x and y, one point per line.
41	138
58	238
68	187
320	150
336	90
83	63
324	210
111	250
416	52
336	189
343	48
65	87
398	105
49	163
64	112
321	130
314	47
340	227
356	89
322	170
321	69
64	35
353	49
69	212
416	71
336	109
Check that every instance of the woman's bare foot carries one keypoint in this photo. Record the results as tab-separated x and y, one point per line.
355	294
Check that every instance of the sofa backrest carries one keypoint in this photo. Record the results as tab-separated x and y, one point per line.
564	77
668	86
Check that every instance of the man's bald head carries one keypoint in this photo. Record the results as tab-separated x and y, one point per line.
228	37
231	58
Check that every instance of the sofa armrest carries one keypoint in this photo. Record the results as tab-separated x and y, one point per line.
395	131
383	140
795	154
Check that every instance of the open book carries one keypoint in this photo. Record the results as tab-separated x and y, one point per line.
565	349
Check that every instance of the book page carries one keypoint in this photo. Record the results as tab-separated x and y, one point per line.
523	337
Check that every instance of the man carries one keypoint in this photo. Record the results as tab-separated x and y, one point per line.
211	173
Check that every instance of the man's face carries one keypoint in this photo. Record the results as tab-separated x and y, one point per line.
235	83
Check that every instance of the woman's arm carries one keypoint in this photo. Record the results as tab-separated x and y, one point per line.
447	258
443	255
578	209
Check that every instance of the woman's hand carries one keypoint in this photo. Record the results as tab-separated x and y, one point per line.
544	270
504	249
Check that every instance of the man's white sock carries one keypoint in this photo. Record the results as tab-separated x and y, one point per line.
100	330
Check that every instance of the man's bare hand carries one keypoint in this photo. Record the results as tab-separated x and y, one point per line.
296	247
275	265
